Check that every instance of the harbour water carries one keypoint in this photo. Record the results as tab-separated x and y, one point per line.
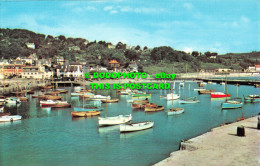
48	136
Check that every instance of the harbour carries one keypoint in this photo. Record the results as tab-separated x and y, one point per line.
52	135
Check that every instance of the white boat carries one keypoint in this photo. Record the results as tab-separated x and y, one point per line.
199	89
100	97
2	99
136	126
172	96
108	121
175	111
47	103
188	101
126	92
12	100
181	84
10	118
222	83
130	100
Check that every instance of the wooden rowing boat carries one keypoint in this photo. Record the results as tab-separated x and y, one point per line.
136	126
110	101
85	113
150	109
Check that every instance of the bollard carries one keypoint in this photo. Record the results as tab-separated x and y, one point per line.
241	131
258	123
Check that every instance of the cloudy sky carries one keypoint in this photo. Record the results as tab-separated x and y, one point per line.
203	25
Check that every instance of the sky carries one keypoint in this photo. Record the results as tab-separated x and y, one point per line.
190	25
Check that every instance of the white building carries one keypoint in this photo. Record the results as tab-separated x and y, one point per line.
32	72
30	45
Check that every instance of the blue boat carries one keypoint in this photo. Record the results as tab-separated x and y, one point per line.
252	98
232	104
91	108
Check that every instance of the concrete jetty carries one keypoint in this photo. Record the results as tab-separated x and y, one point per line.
221	146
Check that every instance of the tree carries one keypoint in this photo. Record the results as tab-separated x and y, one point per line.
195	53
61	37
208	54
137	47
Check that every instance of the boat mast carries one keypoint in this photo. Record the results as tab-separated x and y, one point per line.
185	83
226	87
172	85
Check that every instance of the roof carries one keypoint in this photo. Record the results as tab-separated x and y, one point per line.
113	62
257	65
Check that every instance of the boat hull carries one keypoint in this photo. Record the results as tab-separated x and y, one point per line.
79	109
109	121
85	113
10	118
206	91
188	101
227	105
175	111
219	95
136	126
149	109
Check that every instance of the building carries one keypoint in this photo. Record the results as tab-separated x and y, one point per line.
32	72
11	69
257	68
222	70
133	67
30	45
59	60
74	69
114	64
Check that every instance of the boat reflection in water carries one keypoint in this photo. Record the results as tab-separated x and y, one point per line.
108	129
129	135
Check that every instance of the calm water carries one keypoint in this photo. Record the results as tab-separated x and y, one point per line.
52	137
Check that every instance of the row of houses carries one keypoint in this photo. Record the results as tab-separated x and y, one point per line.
58	67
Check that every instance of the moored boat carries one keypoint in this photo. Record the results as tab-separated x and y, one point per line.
143	105
252	98
140	101
10	118
199	89
46	103
61	104
219	95
175	111
89	108
12	100
206	91
189	101
84	113
154	109
229	104
23	98
49	97
110	101
99	97
136	126
108	121
2	99
141	95
172	96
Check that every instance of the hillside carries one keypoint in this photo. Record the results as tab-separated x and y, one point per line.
13	43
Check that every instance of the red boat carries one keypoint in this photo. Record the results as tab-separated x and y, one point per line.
47	103
219	95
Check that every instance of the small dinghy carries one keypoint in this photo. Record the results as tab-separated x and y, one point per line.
108	121
10	118
175	111
136	126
